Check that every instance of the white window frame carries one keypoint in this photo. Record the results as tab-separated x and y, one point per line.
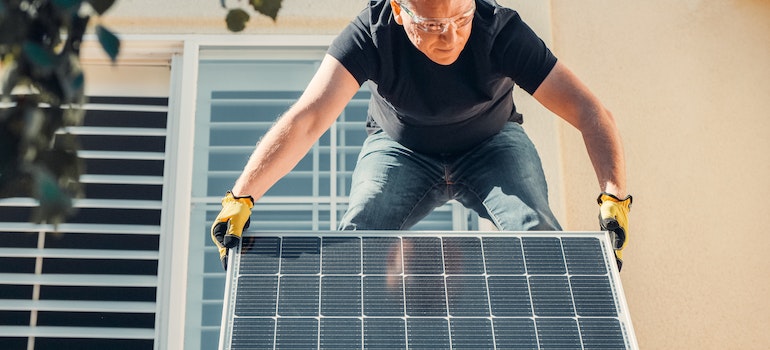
173	271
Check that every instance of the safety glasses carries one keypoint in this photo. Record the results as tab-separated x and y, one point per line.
439	25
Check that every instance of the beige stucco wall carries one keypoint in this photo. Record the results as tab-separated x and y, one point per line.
689	84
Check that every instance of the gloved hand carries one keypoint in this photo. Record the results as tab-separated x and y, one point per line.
613	217
229	225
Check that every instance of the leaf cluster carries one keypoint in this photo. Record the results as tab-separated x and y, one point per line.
237	16
42	94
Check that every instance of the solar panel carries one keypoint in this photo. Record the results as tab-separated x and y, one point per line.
425	290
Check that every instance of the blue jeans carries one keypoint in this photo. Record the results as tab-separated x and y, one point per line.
501	179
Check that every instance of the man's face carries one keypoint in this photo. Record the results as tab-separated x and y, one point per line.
438	28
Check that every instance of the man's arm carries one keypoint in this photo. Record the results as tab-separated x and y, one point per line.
281	149
564	94
284	145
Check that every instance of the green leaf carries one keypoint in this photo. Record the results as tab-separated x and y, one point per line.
33	139
78	82
69	5
101	6
55	204
70	78
39	55
236	20
267	7
110	42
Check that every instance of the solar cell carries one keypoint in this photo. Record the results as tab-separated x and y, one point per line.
384	333
425	290
427	333
340	333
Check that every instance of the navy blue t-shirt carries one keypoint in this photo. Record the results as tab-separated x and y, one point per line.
438	109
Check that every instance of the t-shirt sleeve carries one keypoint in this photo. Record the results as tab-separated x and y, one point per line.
525	57
355	50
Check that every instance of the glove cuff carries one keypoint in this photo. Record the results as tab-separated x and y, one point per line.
250	198
604	196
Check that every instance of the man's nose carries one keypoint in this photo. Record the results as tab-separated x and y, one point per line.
450	35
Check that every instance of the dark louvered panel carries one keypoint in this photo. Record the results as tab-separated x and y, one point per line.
15	214
128	167
123	143
92	284
18	239
124	191
92	343
17	265
106	240
14	318
129	101
15	291
100	266
117	216
96	319
100	293
125	119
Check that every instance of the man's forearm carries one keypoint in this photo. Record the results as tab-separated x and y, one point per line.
564	94
605	149
279	151
284	145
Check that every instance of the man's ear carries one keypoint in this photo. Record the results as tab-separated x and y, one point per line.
396	12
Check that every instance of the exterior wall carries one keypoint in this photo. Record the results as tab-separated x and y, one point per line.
687	82
208	17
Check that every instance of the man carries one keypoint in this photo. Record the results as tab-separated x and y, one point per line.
442	123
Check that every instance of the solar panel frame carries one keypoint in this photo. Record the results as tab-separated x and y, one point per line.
553	320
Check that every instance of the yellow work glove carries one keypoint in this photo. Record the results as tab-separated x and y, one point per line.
613	217
229	225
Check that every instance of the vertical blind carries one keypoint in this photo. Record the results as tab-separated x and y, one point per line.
92	281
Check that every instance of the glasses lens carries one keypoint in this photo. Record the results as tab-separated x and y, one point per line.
439	25
464	20
434	27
